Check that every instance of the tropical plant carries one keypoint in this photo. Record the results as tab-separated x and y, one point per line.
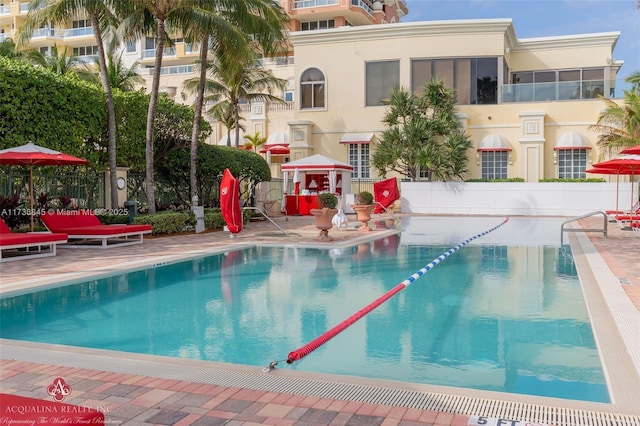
8	49
60	62
327	200
224	21
120	76
241	25
235	80
619	124
255	141
422	134
100	13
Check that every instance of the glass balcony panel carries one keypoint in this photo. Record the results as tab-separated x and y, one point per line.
151	53
560	91
5	10
78	32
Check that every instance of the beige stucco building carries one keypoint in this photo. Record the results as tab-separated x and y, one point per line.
528	105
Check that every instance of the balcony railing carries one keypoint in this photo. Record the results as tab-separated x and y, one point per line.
151	53
176	69
5	10
558	91
364	5
43	32
305	4
4	37
78	32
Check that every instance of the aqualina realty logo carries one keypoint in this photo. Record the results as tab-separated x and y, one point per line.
59	389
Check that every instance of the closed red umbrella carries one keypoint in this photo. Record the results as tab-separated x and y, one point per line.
230	202
31	155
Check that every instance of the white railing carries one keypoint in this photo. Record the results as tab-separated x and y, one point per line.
305	4
43	32
364	5
271	107
151	53
78	32
174	69
4	37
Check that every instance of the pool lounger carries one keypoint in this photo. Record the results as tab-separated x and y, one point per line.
84	229
16	246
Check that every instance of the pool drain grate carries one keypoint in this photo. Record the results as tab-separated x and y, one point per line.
272	382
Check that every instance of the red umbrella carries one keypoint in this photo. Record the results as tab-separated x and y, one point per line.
624	164
31	155
631	150
385	193
230	202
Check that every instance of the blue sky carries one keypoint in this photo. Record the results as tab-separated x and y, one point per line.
543	18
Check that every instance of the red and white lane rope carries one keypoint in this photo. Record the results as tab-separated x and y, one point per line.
305	350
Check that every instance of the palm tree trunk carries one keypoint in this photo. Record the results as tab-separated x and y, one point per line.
111	113
236	118
195	135
153	104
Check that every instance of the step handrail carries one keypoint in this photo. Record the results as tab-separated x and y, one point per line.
603	230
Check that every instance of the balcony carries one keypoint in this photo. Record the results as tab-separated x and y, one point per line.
78	32
558	91
306	4
5	10
151	53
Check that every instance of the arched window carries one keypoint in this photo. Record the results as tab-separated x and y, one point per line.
312	89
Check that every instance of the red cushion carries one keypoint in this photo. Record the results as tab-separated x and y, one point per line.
86	218
14	239
56	221
4	229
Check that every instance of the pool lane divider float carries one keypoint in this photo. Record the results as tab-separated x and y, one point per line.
305	350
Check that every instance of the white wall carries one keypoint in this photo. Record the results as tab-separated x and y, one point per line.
513	198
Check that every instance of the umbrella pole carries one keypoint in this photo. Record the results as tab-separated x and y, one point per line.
31	195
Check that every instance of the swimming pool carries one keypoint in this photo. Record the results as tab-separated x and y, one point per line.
492	316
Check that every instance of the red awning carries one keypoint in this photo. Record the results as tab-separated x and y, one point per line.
276	149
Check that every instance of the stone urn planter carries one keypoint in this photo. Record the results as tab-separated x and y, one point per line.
324	214
363	208
323	222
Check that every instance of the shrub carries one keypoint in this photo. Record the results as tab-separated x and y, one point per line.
364	198
327	200
167	223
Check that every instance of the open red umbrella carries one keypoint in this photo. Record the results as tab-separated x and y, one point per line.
385	193
31	155
624	164
635	150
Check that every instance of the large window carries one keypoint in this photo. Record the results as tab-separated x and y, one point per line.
312	89
359	159
475	80
572	163
317	25
380	79
494	164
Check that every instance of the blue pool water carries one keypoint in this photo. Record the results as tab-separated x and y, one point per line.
492	316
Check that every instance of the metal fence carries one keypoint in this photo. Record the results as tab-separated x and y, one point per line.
84	190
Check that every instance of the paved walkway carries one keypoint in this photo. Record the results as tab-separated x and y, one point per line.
141	399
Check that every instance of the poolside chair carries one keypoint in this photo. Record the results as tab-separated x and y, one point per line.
15	246
85	229
611	214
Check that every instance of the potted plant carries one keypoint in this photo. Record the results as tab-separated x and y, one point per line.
324	213
363	208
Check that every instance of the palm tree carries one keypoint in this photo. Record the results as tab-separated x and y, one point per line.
254	141
238	24
619	125
236	80
58	62
100	13
8	49
120	77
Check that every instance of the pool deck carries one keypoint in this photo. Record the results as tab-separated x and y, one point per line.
142	390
